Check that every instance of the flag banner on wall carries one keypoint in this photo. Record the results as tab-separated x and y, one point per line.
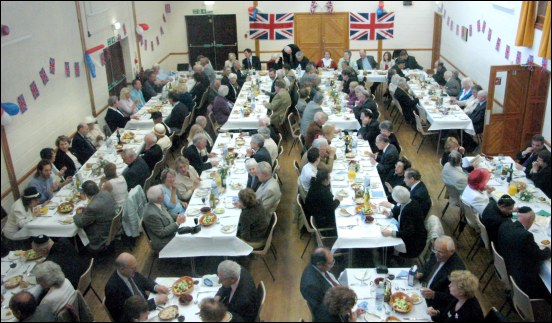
102	59
497	47
330	6
471	30
145	44
479	26
544	63
451	24
507	53
77	69
457	30
43	76
518	57
161	30
124	29
34	90
448	20
484	26
152	46
141	39
530	60
370	26
22	103
52	66
490	33
157	40
168	8
67	69
271	26
312	6
445	12
164	18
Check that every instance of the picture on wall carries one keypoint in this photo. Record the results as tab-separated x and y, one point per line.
464	33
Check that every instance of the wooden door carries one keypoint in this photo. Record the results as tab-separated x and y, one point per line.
115	68
315	33
515	108
436	50
226	39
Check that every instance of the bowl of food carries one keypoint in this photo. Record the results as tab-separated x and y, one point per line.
65	208
208	219
392	319
369	219
182	285
236	186
401	302
13	282
168	313
185	299
205	209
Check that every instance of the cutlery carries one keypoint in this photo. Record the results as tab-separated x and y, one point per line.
412	318
26	270
387	311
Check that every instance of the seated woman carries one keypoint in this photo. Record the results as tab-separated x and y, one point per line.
302	101
253	181
365	101
116	184
221	105
352	97
320	201
126	105
171	201
476	194
64	157
453	174
411	223
23	211
183	95
338	305
464	307
187	179
58	175
254	220
51	278
310	170
328	132
396	176
452	86
540	172
386	129
327	62
387	61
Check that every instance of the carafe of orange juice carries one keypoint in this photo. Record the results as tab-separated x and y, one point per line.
512	189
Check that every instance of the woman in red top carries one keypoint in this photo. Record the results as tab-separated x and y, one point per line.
326	62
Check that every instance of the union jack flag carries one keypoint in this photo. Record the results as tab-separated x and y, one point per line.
34	90
52	66
22	103
67	69
368	26
77	69
271	26
43	76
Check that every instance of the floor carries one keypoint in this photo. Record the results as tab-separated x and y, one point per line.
284	301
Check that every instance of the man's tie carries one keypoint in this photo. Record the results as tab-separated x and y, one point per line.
90	144
334	283
135	290
430	276
250	63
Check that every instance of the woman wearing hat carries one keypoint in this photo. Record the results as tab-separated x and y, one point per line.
23	211
95	135
477	192
163	141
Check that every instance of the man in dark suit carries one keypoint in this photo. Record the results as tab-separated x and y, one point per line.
97	216
527	156
63	253
197	160
410	61
250	61
149	89
200	86
179	112
439	75
400	65
238	292
258	151
478	119
408	102
317	279
418	190
288	54
522	255
497	213
387	159
113	117
436	271
126	282
236	69
81	146
152	151
138	170
370	128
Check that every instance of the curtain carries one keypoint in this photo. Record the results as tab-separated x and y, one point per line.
526	27
544	50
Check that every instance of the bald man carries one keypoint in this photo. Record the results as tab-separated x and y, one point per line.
81	146
126	282
25	308
522	255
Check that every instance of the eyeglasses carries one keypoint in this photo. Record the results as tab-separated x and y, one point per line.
438	251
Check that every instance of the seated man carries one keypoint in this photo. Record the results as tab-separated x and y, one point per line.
408	102
315	128
418	190
269	191
527	156
238	292
439	73
179	112
478	120
63	253
369	128
436	271
114	118
327	155
270	145
496	213
97	216
138	170
522	255
311	109
81	146
160	225
317	279
25	308
302	61
211	310
469	104
192	153
152	152
279	105
251	62
411	63
540	172
258	151
157	118
396	176
149	89
136	94
126	282
385	161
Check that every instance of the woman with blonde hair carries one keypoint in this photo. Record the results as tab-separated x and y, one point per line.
187	179
328	132
126	105
230	61
464	307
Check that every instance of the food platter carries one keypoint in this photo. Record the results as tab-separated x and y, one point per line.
182	285
208	219
31	255
13	282
169	313
65	208
401	302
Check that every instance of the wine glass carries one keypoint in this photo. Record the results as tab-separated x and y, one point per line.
203	200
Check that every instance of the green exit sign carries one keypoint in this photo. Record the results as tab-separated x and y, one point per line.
111	41
199	11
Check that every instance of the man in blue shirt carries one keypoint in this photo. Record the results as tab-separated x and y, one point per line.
43	181
136	93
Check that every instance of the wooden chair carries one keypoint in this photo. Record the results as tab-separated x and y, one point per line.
156	255
308	227
85	281
107	310
275	171
280	151
434	229
115	228
423	132
471	220
279	143
454	198
214	124
76	310
295	129
525	307
319	238
268	245
399	114
501	272
296	167
261	297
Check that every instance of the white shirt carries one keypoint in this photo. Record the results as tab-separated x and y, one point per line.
120	190
17	219
477	200
58	297
307	173
272	148
327	62
441	264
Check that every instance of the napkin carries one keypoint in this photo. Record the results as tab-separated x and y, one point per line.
378	194
402	274
543	213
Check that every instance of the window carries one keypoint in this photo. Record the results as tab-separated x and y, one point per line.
541	12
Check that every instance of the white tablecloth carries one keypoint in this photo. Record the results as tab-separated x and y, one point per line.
352	232
145	122
22	267
211	241
365	294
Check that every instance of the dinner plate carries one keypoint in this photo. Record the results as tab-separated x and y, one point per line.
66	221
343	193
229	205
228	229
13	256
419	299
344	213
339	178
363	276
219	210
192	211
7	315
239	171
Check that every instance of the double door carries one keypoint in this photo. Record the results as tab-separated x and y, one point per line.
213	36
316	33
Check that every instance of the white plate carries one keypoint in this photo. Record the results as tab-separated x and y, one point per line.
229	205
239	171
343	212
343	193
420	298
360	276
339	178
13	256
228	229
219	210
66	221
339	144
192	211
7	315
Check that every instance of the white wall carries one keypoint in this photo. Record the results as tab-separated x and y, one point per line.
477	55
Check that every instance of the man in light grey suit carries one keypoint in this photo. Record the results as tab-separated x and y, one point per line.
96	217
160	225
269	191
208	69
311	109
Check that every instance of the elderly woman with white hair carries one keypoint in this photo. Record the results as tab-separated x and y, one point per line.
60	291
230	61
233	87
238	292
452	86
126	105
221	105
410	226
252	179
466	92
